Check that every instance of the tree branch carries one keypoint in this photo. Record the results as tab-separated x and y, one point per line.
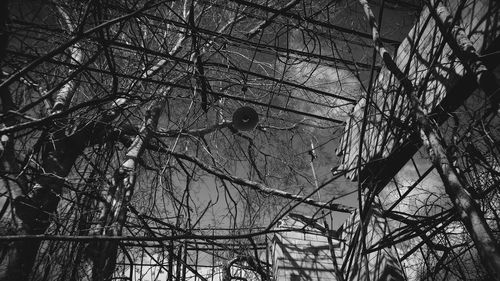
263	188
468	210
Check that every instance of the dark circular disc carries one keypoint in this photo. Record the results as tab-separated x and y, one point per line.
245	118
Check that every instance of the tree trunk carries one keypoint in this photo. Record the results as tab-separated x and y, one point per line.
468	210
34	206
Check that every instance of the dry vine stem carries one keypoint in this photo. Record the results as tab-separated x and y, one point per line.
468	210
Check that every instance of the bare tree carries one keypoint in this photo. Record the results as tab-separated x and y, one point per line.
117	116
119	154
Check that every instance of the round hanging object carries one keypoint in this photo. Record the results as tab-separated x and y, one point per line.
245	118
